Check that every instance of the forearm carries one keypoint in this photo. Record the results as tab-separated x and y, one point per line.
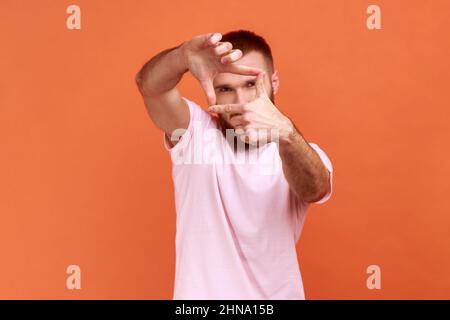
162	73
306	174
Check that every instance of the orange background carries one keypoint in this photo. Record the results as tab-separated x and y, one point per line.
85	179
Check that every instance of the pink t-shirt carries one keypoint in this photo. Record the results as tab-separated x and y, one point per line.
237	221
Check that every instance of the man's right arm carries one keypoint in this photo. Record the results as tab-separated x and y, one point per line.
204	56
157	81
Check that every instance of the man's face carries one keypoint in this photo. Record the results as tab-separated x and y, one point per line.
233	88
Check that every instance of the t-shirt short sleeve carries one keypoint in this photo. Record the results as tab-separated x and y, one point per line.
326	161
198	119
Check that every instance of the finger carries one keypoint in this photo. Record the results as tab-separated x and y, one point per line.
240	69
208	87
252	136
222	48
213	38
237	120
249	135
260	88
208	40
239	130
263	135
227	108
233	56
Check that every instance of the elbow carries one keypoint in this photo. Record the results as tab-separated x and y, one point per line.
142	85
323	191
319	189
139	81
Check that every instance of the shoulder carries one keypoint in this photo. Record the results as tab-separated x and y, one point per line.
199	121
197	113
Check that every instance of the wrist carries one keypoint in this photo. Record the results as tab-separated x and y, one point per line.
287	131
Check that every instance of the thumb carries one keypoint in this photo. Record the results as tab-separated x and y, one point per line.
260	88
208	87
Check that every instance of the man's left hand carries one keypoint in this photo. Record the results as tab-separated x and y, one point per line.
258	120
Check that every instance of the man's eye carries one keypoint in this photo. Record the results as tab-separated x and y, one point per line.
224	89
250	84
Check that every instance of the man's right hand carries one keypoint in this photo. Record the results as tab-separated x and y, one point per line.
206	56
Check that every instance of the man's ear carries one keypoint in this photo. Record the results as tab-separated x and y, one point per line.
275	82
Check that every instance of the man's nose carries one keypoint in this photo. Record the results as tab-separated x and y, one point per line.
242	97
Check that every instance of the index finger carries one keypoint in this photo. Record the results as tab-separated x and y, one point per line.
244	70
260	88
227	108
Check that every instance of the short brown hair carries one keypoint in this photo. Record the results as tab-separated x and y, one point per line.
248	41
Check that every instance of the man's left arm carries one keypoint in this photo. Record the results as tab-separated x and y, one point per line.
304	170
